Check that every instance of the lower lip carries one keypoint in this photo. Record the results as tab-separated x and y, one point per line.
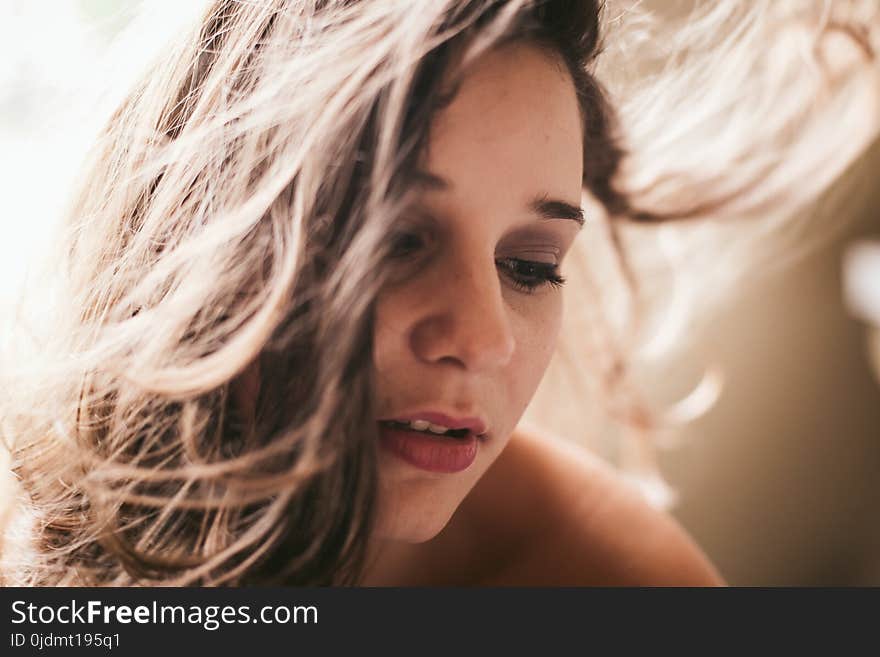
432	453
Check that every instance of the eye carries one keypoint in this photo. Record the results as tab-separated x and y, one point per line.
404	244
528	275
525	275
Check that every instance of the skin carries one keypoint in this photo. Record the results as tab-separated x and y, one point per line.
549	513
456	335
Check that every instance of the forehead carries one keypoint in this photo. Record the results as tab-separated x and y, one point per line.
513	129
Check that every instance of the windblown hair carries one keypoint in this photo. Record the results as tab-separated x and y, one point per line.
242	205
739	118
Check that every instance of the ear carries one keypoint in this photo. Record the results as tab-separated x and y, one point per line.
244	390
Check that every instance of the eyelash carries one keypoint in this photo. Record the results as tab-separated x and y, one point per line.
535	276
539	274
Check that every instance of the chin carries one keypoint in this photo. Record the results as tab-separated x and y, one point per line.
416	528
421	534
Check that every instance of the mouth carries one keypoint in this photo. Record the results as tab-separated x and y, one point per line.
428	446
423	426
439	423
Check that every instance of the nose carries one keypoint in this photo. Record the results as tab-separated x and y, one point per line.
467	321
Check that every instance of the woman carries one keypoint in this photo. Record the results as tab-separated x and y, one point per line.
317	236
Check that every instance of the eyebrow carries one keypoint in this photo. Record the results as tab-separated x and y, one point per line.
546	208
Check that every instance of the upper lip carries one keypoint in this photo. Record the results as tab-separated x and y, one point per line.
475	424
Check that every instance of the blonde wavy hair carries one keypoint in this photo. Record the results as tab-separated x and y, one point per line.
739	118
242	203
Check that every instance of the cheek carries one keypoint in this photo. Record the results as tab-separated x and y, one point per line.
546	324
538	324
386	334
536	321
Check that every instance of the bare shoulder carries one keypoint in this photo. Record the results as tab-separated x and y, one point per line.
574	521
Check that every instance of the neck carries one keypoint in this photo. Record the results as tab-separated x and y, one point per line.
393	563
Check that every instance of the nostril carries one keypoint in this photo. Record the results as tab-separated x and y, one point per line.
467	323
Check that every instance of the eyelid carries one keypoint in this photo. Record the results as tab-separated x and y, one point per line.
534	254
548	275
418	225
418	213
543	244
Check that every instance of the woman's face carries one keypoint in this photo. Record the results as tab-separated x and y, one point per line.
462	334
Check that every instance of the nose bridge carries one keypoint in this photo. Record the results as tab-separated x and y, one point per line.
467	320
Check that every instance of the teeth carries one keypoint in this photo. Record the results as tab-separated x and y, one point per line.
424	426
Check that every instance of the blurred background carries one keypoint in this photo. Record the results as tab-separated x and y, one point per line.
779	482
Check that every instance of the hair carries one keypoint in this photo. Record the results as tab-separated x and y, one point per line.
739	120
241	205
238	206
